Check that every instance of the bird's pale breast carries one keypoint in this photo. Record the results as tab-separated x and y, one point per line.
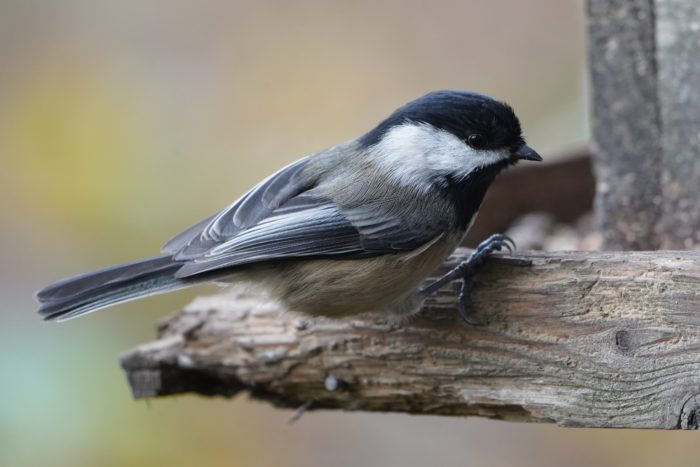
334	288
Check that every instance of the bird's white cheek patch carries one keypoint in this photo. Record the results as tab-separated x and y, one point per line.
476	159
412	151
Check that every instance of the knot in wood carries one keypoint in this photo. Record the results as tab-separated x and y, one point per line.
690	414
622	340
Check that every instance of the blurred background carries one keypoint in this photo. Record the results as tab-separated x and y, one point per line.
122	123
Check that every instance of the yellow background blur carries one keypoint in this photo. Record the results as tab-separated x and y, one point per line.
121	123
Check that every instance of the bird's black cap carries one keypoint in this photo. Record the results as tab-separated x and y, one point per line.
461	113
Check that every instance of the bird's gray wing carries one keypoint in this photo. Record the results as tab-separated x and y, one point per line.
285	217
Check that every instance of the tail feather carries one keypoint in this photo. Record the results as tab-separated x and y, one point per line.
74	286
89	292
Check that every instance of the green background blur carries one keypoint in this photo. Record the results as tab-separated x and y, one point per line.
121	123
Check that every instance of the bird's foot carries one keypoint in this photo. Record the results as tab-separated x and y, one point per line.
466	270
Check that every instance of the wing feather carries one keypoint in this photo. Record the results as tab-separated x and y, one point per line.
242	214
318	231
179	241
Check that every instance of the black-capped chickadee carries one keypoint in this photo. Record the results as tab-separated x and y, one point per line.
354	228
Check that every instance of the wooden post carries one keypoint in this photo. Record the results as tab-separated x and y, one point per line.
645	69
578	339
678	62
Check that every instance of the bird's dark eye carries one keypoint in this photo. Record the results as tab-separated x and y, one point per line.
475	141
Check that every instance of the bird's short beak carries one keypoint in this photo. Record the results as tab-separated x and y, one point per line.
527	153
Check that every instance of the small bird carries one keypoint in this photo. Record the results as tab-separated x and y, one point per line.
353	228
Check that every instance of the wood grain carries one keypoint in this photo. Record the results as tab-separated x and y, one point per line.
604	339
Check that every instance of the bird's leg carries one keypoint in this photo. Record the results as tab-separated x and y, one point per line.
465	271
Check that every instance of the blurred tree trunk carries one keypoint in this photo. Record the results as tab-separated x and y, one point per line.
645	67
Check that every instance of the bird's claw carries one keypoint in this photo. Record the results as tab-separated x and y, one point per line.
464	302
495	242
465	271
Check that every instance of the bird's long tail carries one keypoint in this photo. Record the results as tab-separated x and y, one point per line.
89	292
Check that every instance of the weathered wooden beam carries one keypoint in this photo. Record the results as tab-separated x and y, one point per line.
579	339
